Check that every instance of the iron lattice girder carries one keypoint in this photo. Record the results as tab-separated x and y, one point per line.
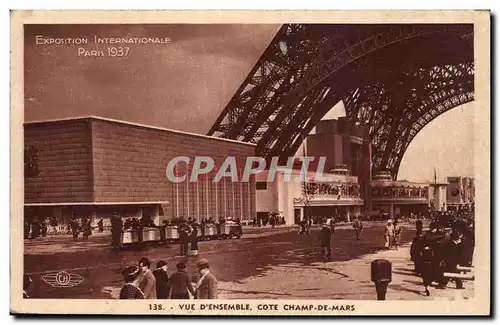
308	68
393	127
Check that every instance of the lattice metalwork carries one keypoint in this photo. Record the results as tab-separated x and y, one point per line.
396	78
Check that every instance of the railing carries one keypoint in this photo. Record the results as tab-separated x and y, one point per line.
400	192
333	189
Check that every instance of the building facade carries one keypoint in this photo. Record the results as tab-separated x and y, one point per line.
398	197
335	195
438	200
345	146
93	167
460	191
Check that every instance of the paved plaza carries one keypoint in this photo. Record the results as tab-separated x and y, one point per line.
265	264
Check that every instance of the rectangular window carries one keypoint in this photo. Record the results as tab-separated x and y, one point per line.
261	186
31	162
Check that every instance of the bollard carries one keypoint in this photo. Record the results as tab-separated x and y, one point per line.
381	275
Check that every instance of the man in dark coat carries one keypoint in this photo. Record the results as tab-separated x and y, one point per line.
161	276
183	239
454	256
74	227
420	226
100	224
194	239
86	228
240	227
427	267
180	283
325	236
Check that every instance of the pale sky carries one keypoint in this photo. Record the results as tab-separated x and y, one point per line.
186	84
447	143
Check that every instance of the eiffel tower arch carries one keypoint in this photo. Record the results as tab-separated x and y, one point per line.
395	78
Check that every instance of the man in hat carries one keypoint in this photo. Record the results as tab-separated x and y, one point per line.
73	223
147	282
397	233
324	237
194	239
389	234
100	225
426	267
206	287
184	232
180	283
161	277
358	227
419	226
130	290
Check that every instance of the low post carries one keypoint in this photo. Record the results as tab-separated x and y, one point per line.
381	275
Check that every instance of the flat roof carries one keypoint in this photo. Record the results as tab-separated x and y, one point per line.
95	203
105	119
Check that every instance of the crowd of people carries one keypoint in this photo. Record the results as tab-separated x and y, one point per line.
338	189
140	282
272	219
400	191
41	227
448	243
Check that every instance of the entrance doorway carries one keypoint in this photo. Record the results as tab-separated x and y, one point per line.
296	213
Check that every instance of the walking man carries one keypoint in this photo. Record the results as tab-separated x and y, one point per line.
325	236
389	234
100	225
74	227
420	226
86	228
147	281
183	239
302	229
206	287
397	233
426	266
358	227
180	283
194	239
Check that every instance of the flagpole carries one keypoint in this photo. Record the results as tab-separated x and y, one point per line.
225	199
187	189
232	190
197	201
306	196
176	194
241	196
249	199
206	186
216	200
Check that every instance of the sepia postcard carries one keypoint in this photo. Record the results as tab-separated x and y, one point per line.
232	163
